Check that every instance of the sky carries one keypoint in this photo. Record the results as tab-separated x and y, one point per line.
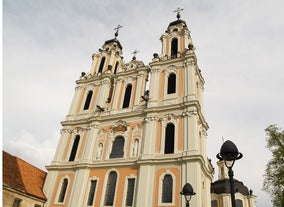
239	45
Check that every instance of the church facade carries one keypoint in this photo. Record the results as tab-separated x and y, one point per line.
135	133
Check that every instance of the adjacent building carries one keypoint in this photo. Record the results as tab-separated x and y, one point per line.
220	190
22	183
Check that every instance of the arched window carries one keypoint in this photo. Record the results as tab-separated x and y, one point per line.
172	83
117	148
102	64
63	190
167	189
239	203
170	139
74	148
174	47
127	96
88	100
110	189
116	66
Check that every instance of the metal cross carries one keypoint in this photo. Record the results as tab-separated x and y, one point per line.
117	29
135	52
178	10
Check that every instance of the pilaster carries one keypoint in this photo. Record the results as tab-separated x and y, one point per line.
90	144
78	188
145	187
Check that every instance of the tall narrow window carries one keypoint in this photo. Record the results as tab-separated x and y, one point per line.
116	66
117	148
110	189
172	83
88	100
102	65
63	190
167	189
92	192
130	192
174	48
74	148
127	96
170	139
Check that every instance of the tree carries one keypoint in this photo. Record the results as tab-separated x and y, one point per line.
274	172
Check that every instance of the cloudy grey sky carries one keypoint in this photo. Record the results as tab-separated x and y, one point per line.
239	46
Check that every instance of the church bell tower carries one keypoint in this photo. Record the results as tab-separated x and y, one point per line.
124	145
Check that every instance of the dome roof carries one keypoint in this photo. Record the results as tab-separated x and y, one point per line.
179	21
223	186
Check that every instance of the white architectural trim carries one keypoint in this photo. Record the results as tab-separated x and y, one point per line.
59	190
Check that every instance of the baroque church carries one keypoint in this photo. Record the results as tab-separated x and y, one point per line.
136	133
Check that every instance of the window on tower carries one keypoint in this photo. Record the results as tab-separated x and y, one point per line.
127	96
102	65
116	66
63	190
74	148
117	148
172	83
88	100
174	48
170	139
92	192
167	189
110	189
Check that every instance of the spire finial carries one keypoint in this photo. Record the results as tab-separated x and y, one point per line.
178	10
117	29
134	54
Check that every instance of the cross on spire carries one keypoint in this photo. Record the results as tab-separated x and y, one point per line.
117	29
134	54
178	10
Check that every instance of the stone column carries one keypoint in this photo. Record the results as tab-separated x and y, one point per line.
117	90
145	186
61	146
149	143
90	144
76	100
77	193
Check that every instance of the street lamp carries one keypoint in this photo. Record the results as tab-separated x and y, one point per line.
229	153
187	191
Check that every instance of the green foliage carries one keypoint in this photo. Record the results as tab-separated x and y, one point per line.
274	172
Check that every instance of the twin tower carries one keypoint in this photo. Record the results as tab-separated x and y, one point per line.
135	133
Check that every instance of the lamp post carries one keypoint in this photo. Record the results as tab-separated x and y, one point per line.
229	153
187	191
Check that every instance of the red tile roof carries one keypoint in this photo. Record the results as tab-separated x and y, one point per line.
22	176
